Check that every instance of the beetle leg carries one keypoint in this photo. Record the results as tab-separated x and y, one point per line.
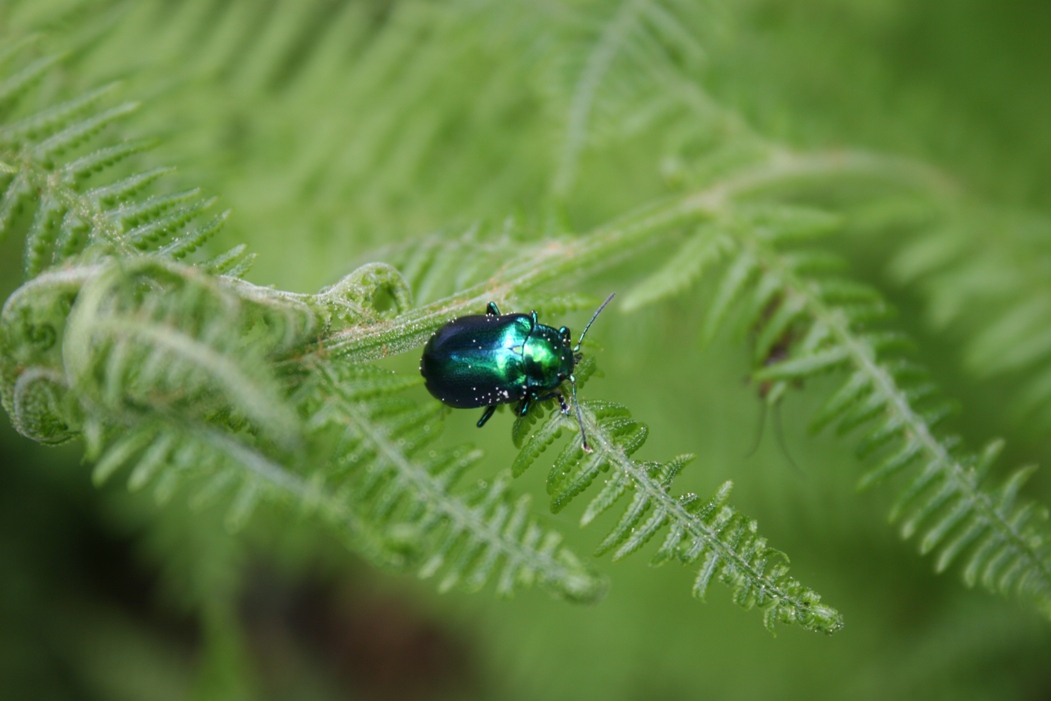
556	395
492	310
523	408
489	411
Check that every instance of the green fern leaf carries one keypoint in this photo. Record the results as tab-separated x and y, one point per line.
469	535
172	349
726	544
52	157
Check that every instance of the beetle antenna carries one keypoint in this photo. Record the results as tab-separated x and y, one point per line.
576	402
580	417
585	331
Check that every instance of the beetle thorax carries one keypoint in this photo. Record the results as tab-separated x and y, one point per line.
548	358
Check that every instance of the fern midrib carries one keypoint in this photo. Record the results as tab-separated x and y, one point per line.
672	506
466	520
53	183
940	460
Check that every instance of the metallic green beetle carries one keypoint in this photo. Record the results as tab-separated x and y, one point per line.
491	359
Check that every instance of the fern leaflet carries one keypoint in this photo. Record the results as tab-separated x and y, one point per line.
709	531
469	535
48	170
808	323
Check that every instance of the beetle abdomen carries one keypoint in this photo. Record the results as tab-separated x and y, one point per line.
476	361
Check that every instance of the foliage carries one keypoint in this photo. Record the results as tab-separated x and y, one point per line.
593	145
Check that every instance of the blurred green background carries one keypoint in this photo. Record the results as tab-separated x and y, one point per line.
333	128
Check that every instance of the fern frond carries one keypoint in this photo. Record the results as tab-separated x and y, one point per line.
233	263
53	155
471	536
439	264
947	502
707	531
176	374
215	467
65	118
149	341
107	157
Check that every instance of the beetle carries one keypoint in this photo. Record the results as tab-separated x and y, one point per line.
491	359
